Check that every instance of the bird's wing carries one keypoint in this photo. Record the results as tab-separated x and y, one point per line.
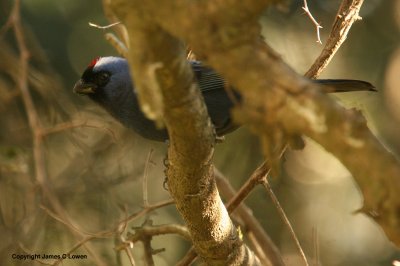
207	78
218	96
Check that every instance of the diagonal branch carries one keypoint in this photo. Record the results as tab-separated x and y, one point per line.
268	252
347	14
281	104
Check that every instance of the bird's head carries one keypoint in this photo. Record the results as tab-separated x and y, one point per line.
107	82
105	78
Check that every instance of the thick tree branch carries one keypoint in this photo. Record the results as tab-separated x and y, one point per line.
265	249
168	95
279	104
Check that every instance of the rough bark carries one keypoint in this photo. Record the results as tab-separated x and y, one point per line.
169	95
278	104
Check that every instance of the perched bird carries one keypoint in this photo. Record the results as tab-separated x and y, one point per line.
107	81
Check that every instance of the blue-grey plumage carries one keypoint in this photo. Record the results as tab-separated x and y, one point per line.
107	81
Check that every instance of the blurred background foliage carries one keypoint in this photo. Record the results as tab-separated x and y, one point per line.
96	169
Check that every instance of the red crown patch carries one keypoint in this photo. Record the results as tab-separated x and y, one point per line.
94	62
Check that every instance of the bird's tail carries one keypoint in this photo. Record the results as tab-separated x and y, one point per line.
345	85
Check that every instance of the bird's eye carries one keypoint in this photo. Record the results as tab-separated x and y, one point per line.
102	78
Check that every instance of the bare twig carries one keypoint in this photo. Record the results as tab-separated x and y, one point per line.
117	230
104	27
117	44
84	241
256	245
112	38
76	124
155	230
189	258
129	244
347	14
145	234
146	241
267	252
282	213
147	210
130	256
148	254
121	38
110	233
63	221
145	177
256	177
317	25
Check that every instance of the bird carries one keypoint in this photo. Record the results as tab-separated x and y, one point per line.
107	82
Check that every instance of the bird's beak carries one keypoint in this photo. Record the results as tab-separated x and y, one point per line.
84	88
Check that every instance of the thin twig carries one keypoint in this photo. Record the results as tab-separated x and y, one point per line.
63	221
268	253
75	247
155	230
347	14
255	245
112	39
117	44
148	255
121	228
259	174
145	179
317	25
121	32
130	256
104	27
146	241
75	124
147	210
189	258
108	233
282	213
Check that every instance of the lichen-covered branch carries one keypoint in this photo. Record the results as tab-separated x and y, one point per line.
284	102
278	103
169	95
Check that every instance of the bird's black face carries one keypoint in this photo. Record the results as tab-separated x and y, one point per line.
106	81
92	81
